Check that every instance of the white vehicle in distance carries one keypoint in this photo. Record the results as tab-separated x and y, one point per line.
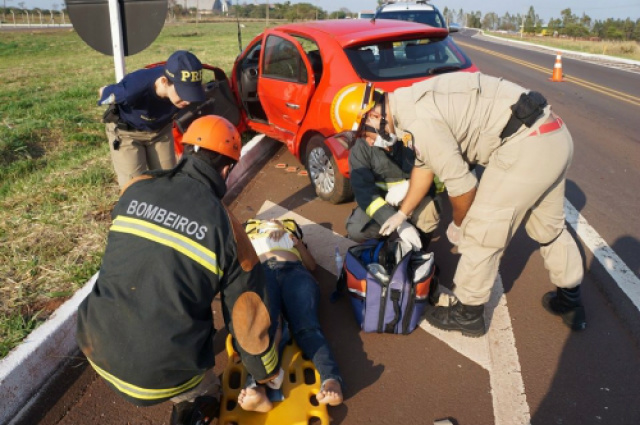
420	11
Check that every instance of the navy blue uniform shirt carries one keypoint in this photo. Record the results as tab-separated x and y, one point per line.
138	103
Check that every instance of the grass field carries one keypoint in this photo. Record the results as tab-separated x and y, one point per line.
619	49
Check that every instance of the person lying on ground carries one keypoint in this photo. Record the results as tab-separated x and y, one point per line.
294	292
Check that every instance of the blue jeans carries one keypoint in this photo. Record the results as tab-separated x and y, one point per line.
294	292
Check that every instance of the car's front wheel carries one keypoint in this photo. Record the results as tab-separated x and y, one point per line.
324	174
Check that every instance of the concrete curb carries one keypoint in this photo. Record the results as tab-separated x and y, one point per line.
24	371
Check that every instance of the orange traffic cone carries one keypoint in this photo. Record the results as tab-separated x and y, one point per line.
557	69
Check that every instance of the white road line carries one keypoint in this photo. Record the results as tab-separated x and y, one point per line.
496	352
619	271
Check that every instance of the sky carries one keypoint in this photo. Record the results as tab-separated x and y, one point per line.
546	9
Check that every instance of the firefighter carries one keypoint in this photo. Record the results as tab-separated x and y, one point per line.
147	325
463	119
380	165
141	110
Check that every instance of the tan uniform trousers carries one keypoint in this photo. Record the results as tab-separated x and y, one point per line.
524	181
140	151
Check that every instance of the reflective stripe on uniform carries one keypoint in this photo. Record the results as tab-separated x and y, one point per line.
387	185
270	359
145	393
163	236
375	206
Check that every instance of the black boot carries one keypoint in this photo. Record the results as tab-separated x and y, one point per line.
566	303
469	319
201	411
425	239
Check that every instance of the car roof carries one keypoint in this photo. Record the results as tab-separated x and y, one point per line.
348	32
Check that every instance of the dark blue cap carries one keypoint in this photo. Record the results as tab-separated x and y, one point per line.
184	70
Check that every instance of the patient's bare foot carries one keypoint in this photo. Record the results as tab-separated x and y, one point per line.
255	400
330	393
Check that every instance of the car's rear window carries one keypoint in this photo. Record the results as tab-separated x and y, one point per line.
406	59
429	17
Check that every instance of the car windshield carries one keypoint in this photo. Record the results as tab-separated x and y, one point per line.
406	59
429	17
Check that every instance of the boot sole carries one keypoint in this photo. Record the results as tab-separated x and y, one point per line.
473	333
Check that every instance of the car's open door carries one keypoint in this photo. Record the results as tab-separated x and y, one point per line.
286	83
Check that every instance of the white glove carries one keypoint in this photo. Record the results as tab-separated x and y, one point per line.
397	192
393	223
454	234
410	235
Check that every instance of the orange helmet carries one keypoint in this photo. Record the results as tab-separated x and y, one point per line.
216	134
350	104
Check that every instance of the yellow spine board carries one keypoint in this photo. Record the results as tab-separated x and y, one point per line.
299	404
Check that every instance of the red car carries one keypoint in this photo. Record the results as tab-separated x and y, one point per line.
284	81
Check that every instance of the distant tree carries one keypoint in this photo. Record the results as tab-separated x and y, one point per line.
636	31
474	20
490	21
554	25
567	17
338	14
628	28
539	25
585	21
509	22
530	20
576	30
347	12
449	15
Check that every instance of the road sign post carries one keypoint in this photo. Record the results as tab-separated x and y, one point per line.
116	39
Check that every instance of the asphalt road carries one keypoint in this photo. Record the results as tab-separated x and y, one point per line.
529	367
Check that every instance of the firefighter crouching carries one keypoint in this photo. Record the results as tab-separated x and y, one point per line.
380	164
147	326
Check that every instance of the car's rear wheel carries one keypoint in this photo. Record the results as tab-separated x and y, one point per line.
329	183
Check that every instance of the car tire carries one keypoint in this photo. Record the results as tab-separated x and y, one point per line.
326	178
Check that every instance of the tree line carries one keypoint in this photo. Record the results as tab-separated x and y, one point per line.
568	24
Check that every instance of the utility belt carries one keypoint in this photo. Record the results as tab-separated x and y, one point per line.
526	111
112	116
121	125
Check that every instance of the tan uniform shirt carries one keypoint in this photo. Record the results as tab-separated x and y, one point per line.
456	120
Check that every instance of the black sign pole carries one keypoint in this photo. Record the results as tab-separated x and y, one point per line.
116	39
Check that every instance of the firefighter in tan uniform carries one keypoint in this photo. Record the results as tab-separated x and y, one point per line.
463	119
147	326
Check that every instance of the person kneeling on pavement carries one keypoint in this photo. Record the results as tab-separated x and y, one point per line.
147	325
294	292
380	165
